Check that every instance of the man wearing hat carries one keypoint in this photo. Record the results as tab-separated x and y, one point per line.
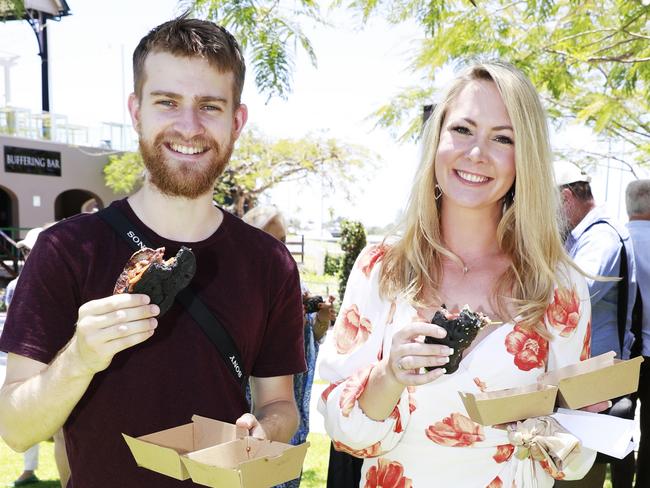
601	246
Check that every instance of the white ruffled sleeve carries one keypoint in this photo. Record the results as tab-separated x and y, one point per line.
362	329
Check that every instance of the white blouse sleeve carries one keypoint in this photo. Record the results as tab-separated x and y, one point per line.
347	358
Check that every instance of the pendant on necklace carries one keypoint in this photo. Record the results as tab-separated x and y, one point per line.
465	270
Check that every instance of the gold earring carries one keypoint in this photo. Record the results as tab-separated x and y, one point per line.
437	192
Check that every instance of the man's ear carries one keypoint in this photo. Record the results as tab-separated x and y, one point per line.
566	194
134	110
239	120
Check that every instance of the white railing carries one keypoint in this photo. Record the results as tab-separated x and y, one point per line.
48	126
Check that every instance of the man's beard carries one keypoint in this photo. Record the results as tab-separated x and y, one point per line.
186	179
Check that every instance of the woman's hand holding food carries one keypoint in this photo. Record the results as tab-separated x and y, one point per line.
409	354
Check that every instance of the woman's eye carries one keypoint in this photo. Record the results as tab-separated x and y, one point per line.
461	129
504	140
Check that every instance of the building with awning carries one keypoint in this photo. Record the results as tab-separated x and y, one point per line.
50	169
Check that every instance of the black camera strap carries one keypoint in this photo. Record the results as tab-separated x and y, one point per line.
216	332
622	299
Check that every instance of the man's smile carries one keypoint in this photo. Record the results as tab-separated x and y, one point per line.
185	149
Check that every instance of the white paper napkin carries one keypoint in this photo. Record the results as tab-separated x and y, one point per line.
602	433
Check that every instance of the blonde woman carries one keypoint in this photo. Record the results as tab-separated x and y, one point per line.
481	229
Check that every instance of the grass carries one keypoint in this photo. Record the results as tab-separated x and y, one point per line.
314	472
11	464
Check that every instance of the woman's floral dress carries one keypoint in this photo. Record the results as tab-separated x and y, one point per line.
429	439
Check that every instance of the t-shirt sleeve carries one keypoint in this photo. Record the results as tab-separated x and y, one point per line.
44	308
282	351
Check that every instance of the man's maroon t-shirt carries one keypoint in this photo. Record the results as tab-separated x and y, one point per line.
247	278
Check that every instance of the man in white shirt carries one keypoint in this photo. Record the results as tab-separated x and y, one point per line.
637	200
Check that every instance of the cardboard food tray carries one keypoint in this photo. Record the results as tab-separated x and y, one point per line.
215	453
509	405
585	383
595	380
247	462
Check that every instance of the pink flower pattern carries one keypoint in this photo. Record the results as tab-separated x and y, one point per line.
371	256
457	430
351	331
368	452
563	314
495	483
504	453
387	474
529	348
353	387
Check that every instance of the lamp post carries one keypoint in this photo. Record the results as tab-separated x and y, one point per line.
37	14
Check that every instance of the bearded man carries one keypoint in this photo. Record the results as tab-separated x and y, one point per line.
100	365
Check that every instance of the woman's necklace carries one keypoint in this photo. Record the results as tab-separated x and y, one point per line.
466	267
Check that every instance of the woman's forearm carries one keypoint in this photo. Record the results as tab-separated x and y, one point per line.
381	394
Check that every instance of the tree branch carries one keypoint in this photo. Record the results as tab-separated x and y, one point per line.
636	34
616	44
619	59
628	129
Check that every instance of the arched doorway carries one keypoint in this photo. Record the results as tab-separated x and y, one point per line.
72	202
8	208
8	223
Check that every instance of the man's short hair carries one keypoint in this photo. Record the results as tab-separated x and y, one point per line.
637	198
581	190
192	38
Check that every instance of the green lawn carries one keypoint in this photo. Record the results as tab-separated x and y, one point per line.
315	468
11	464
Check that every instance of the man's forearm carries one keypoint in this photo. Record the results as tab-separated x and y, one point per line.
32	410
279	420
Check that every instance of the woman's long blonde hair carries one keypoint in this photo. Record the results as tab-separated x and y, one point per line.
528	232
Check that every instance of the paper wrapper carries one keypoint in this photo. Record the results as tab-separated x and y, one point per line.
544	440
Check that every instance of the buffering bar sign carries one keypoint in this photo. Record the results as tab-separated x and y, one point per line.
32	161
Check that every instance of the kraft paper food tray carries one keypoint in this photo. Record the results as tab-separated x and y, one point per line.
595	380
161	451
215	453
246	463
509	405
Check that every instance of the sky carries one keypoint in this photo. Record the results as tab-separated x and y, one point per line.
358	71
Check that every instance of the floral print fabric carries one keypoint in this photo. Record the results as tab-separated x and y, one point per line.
429	439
